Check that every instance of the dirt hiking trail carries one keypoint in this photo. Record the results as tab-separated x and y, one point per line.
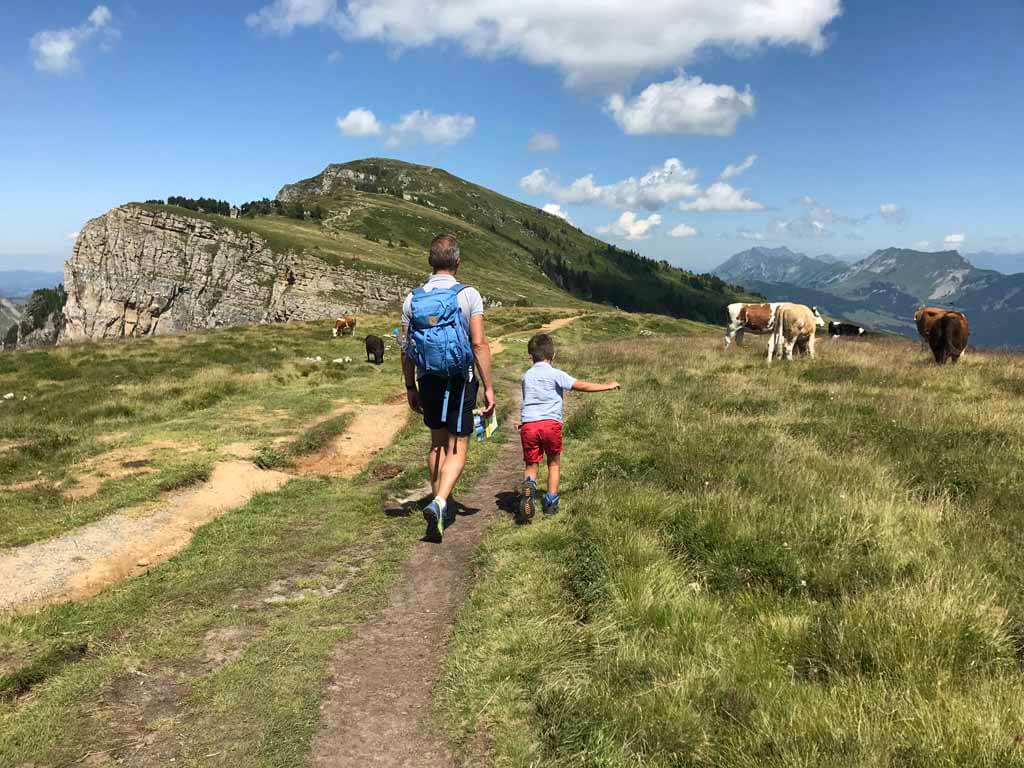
81	563
378	708
498	343
370	432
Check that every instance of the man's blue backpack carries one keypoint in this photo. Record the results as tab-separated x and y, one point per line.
438	334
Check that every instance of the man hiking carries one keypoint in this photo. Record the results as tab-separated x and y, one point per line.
445	359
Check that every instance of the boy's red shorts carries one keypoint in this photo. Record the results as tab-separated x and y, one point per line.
539	438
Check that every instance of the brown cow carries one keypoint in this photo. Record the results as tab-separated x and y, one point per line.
344	326
755	318
945	330
795	326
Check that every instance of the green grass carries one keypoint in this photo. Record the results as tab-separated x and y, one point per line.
816	565
134	673
192	394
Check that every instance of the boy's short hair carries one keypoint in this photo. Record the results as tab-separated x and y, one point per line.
541	348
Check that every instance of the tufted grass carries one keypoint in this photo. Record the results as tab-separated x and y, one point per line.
816	565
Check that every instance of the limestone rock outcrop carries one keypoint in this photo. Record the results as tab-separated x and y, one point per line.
136	271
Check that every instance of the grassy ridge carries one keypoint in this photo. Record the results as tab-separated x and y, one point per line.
812	566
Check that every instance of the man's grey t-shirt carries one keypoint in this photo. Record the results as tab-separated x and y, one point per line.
471	304
544	386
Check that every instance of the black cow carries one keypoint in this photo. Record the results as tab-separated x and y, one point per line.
374	349
844	329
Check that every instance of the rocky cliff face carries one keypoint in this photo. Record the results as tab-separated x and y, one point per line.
139	272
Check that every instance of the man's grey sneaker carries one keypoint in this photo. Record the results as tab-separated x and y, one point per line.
435	525
550	506
526	502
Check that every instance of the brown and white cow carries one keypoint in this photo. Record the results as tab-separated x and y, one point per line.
752	318
344	326
946	332
794	326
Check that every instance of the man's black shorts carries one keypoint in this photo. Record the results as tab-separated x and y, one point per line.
461	396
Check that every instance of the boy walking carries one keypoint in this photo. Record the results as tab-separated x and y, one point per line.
544	388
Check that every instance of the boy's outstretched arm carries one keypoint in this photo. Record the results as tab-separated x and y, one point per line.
589	386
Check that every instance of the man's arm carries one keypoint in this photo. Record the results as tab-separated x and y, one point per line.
482	353
588	386
409	374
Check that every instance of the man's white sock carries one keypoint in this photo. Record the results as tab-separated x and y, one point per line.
441	503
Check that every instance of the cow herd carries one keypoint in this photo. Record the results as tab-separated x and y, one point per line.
792	327
346	326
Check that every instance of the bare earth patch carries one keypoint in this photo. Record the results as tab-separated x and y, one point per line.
372	430
118	464
83	562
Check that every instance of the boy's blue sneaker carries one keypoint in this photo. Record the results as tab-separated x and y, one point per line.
526	502
435	522
550	504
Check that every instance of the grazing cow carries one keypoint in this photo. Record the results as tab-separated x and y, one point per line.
844	329
795	326
755	318
945	330
344	326
374	349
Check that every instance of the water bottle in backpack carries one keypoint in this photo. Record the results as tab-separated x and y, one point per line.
438	334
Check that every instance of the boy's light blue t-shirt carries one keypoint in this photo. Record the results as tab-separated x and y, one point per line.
544	386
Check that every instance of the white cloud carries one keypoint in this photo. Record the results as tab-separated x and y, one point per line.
722	197
556	210
420	125
543	142
892	213
607	42
735	170
282	16
922	245
683	105
746	234
538	182
654	190
100	16
359	123
683	230
630	227
72	235
335	57
955	240
55	49
424	125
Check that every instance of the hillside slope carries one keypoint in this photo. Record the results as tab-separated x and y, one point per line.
351	238
520	250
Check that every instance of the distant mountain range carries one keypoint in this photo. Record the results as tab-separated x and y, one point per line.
20	283
883	290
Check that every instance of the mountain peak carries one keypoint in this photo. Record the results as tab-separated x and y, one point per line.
774	265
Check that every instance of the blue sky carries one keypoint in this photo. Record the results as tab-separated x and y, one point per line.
870	124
